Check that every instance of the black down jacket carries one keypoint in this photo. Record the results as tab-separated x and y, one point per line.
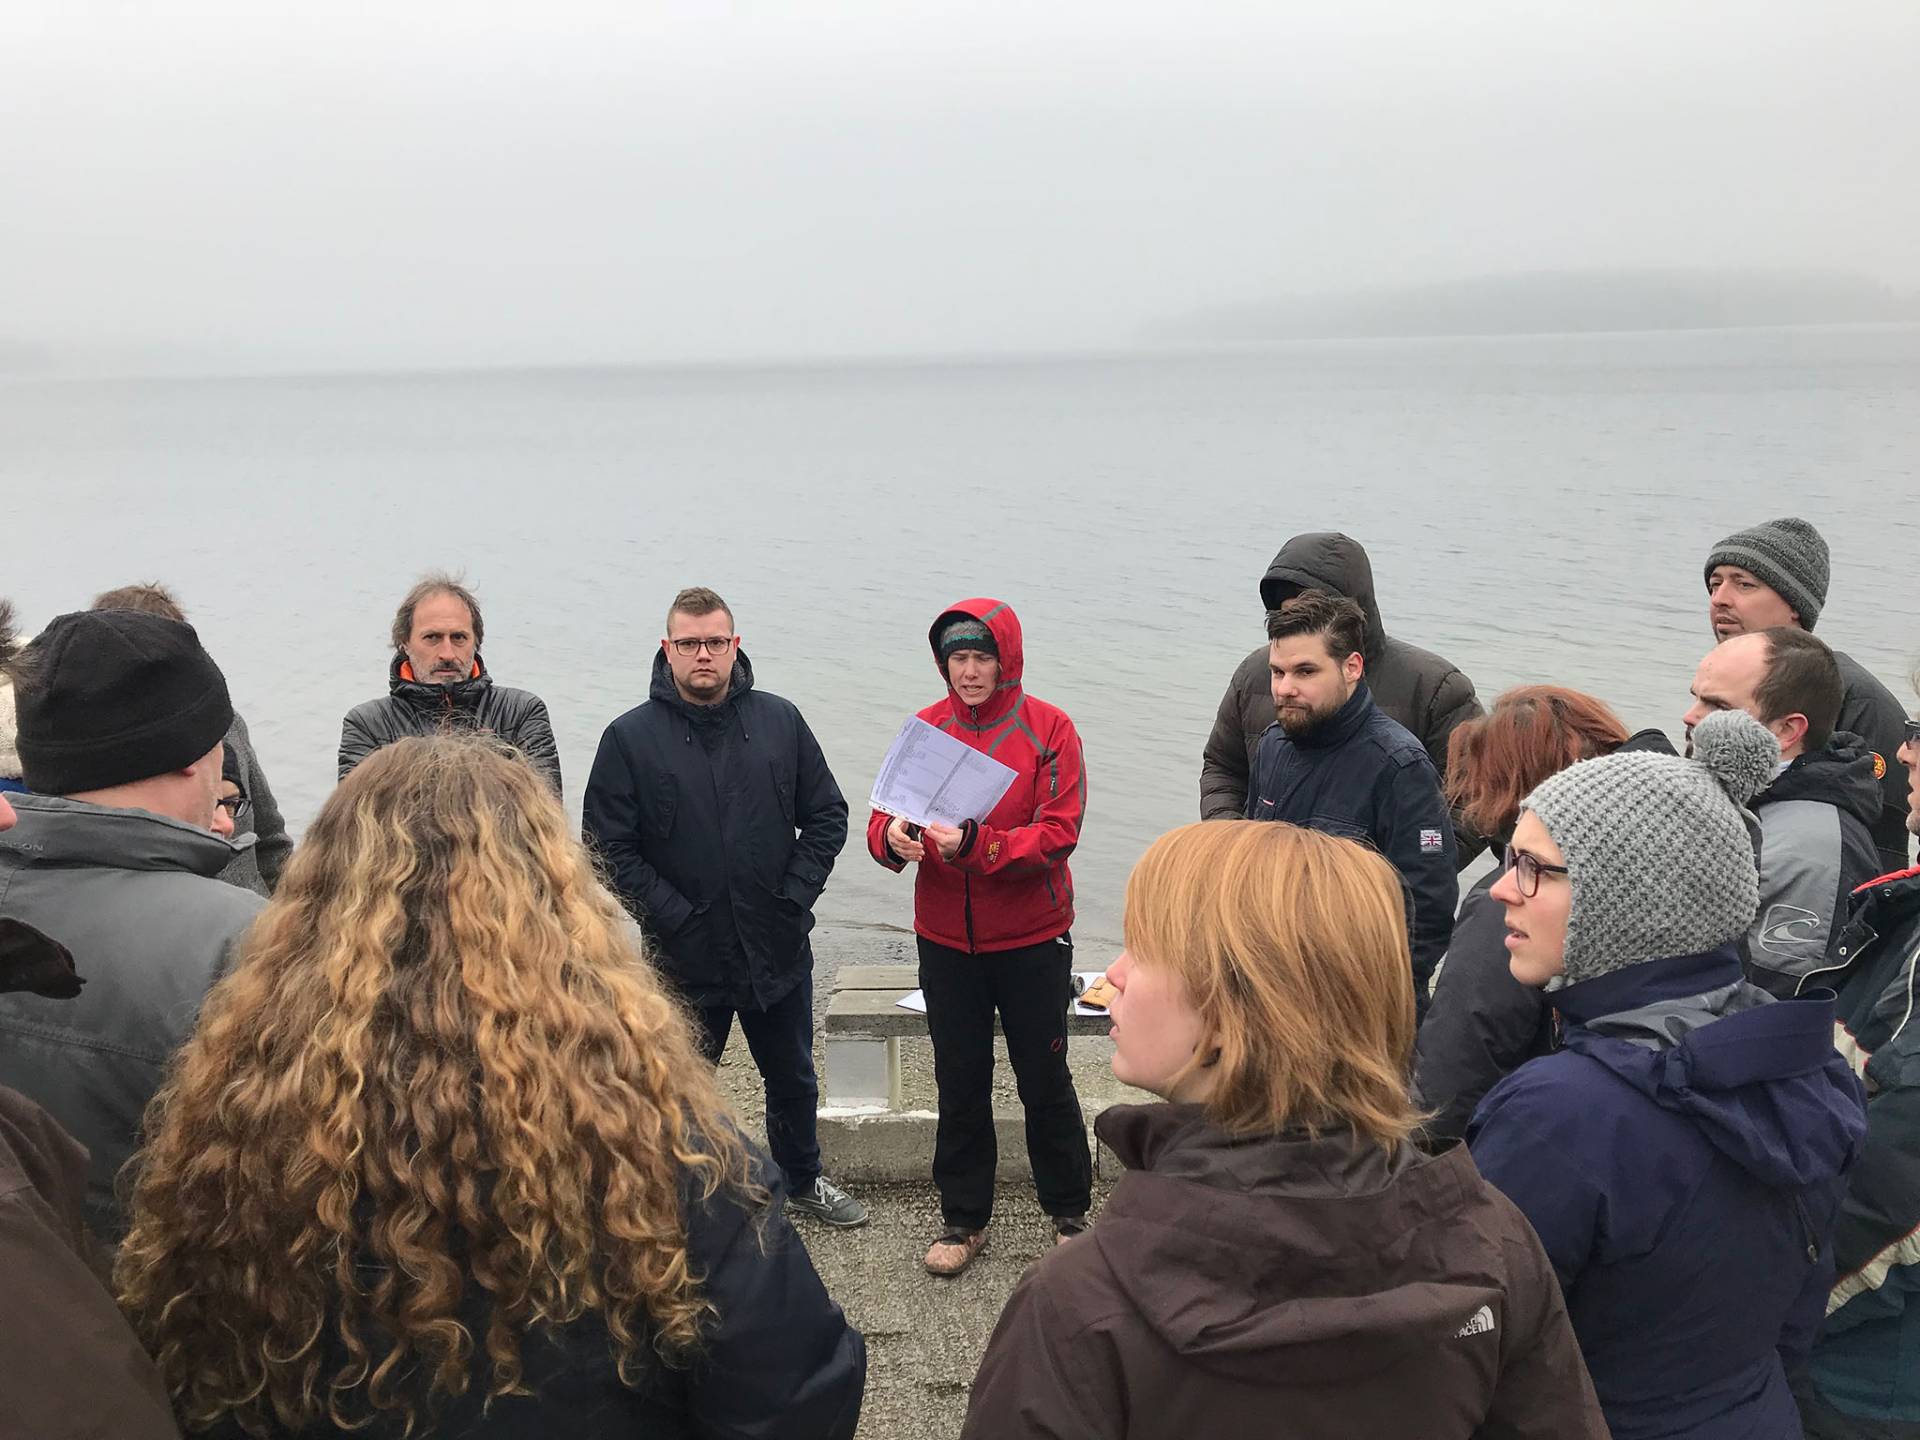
718	825
1416	687
411	707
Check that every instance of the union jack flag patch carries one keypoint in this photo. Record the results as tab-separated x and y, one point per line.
1432	842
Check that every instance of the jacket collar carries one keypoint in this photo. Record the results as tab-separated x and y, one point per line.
1178	1142
421	695
57	831
1649	983
1342	725
660	687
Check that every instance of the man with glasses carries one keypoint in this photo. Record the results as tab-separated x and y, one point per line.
121	723
437	682
718	821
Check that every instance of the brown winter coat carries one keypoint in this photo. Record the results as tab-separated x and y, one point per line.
70	1367
1286	1287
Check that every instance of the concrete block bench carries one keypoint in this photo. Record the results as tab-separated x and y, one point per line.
863	1030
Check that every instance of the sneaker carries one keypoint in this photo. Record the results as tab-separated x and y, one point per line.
829	1204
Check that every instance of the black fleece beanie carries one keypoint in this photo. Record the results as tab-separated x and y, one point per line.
108	697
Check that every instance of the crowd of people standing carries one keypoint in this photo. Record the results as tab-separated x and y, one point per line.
412	1127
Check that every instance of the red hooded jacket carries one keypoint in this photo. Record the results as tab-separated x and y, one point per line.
1008	885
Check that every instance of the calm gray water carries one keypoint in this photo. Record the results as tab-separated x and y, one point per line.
1537	509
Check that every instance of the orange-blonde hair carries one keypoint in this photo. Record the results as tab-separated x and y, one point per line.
440	1067
1533	732
1292	948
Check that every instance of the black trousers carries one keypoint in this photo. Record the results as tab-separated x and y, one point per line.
781	1039
1030	987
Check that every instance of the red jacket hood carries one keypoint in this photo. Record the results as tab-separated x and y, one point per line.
1004	626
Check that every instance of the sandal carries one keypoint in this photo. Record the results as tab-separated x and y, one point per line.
1065	1227
954	1251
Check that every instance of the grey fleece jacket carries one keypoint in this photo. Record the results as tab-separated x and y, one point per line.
257	866
133	896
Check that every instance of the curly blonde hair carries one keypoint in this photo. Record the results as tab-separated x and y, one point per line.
440	1061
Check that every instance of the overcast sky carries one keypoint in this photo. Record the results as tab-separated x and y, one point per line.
428	182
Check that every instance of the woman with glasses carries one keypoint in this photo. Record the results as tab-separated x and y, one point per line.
1280	1258
441	1157
993	911
1682	1154
1482	1022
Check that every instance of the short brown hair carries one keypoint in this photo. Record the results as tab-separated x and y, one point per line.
1292	946
1336	619
1802	678
1533	731
437	582
151	598
698	600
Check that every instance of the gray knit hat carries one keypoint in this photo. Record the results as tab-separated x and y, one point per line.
1788	554
1658	849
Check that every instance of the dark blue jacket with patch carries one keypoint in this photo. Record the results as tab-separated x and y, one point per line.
1363	775
1682	1159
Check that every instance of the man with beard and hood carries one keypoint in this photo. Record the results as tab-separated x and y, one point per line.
1335	761
1816	847
438	682
72	1367
1683	1154
717	819
1423	691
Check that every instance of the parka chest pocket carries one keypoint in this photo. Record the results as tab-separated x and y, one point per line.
662	799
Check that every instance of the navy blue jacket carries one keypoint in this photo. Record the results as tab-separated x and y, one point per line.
1682	1160
718	825
1363	775
1867	1361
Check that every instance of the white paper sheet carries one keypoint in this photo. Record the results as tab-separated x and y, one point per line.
916	1000
928	777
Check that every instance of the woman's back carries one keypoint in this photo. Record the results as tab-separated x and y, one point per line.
1287	1286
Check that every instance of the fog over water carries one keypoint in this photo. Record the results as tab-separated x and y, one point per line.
1537	509
207	185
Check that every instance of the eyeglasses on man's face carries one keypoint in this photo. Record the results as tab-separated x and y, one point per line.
1527	870
237	806
1912	734
694	644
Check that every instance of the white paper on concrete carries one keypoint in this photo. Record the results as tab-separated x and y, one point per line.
916	1000
931	778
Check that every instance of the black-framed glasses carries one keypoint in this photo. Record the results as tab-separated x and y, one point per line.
237	805
694	644
1912	732
1527	870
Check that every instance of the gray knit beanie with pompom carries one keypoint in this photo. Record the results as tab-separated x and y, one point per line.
1658	849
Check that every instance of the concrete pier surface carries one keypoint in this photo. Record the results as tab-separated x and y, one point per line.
925	1335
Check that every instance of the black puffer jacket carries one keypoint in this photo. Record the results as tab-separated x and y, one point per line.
1416	687
411	707
718	825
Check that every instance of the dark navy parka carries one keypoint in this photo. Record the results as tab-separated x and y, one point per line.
718	826
1682	1159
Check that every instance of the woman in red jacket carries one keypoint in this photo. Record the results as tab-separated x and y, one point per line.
993	907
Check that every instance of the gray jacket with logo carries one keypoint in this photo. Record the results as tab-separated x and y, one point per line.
132	895
1816	847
